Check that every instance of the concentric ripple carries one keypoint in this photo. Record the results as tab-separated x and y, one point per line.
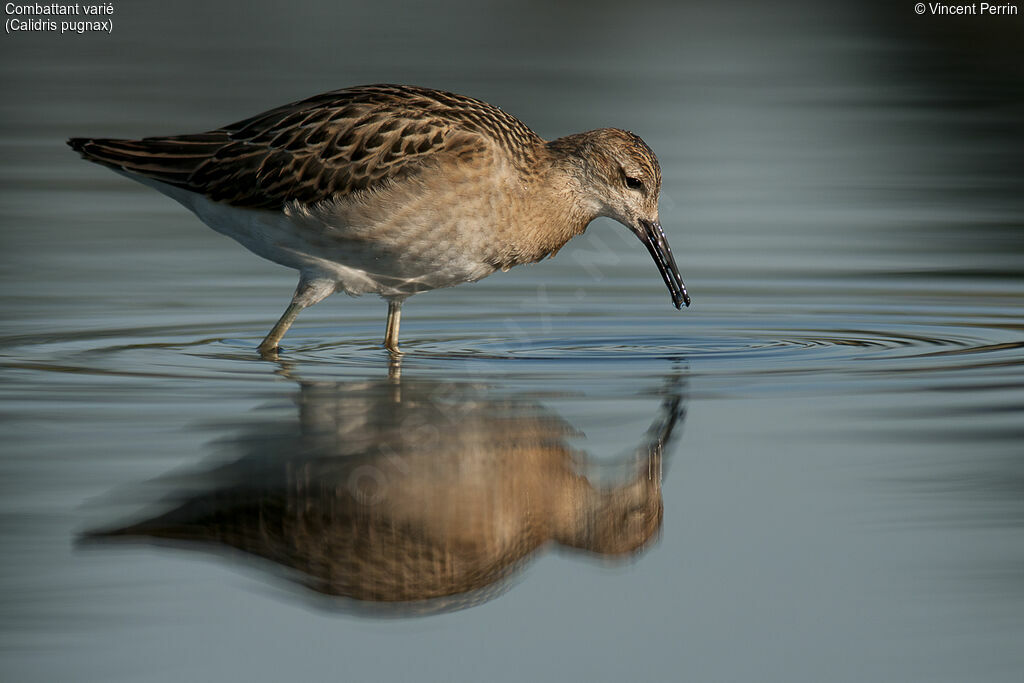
758	350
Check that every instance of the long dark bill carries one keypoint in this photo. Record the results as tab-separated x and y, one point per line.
654	239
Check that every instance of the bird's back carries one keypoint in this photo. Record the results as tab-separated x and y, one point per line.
324	147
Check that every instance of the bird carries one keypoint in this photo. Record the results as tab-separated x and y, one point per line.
396	190
351	503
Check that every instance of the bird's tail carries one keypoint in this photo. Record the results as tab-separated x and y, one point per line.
170	160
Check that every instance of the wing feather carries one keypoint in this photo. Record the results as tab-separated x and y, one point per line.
327	146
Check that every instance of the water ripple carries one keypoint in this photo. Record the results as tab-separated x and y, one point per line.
756	349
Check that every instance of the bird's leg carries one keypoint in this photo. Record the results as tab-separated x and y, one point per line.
269	345
391	336
310	291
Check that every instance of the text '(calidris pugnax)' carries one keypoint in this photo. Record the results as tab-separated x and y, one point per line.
396	190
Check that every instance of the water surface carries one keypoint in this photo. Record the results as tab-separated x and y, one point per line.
831	436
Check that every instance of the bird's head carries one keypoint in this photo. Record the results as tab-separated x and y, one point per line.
620	178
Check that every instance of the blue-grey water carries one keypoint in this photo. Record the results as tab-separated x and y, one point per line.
837	422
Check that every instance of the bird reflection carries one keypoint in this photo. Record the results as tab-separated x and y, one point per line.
414	495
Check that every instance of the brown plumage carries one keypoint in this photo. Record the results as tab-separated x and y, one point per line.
396	190
355	503
323	147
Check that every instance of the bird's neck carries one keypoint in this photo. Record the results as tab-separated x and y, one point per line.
552	204
570	164
559	192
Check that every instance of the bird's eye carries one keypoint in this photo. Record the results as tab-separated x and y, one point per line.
634	183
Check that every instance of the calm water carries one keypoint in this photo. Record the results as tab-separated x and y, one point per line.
837	423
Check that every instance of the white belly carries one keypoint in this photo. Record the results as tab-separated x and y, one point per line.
396	257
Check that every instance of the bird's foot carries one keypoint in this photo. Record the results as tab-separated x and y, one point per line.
269	351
